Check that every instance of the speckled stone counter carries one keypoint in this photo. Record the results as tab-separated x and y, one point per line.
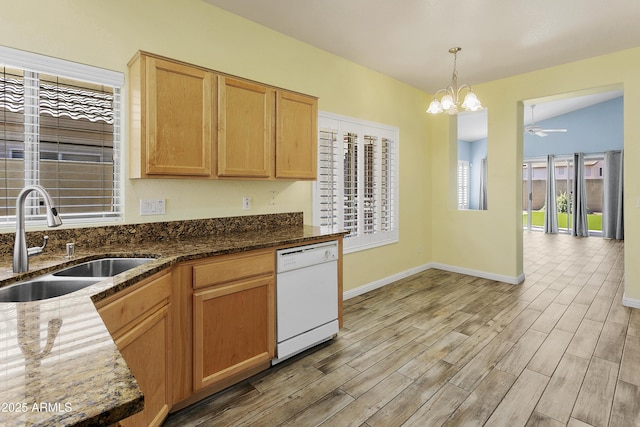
58	363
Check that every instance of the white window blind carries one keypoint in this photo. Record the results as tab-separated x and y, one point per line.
357	186
463	184
60	132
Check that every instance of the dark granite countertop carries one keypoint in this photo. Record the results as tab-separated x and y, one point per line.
58	363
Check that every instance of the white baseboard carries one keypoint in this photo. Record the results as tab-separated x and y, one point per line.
630	302
514	280
403	274
383	282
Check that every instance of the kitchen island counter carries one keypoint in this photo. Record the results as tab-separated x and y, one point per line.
59	364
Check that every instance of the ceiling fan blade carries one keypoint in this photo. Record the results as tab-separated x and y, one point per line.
535	130
532	129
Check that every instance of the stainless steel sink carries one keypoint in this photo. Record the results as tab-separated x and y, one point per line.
42	288
105	267
69	280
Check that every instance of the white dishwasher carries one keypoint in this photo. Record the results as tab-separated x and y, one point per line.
306	297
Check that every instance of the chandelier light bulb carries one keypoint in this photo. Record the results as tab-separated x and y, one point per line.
471	102
435	107
447	102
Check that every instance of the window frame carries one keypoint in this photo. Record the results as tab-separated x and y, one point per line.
42	64
383	234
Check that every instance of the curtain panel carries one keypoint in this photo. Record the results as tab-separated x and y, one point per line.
612	215
579	199
482	200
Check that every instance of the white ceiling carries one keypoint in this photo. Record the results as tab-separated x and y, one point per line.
409	39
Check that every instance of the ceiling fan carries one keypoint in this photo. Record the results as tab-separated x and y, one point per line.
532	129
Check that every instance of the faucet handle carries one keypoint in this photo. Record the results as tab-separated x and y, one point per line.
38	249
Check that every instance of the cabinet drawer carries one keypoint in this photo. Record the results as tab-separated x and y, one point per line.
135	303
233	267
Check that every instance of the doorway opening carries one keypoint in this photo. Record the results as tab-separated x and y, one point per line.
581	128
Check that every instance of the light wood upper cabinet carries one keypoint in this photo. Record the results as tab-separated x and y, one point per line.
296	136
245	128
171	106
191	122
265	132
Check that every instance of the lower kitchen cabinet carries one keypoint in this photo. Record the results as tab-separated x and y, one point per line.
233	320
196	328
138	319
233	329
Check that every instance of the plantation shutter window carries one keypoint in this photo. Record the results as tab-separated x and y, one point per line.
356	190
59	128
463	184
328	214
350	179
388	192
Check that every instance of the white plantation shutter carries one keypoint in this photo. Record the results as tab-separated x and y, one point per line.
327	183
370	187
350	193
388	191
357	186
60	128
463	184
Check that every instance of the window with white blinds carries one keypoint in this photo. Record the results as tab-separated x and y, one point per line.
463	184
357	186
59	128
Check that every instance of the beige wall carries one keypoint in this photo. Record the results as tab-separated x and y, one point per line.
108	33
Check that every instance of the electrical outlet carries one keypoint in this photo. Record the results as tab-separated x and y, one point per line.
246	203
272	197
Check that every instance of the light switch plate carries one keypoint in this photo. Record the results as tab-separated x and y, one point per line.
246	203
152	207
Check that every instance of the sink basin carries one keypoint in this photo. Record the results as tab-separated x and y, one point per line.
105	267
42	288
69	280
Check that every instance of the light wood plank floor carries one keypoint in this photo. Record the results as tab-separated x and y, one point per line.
441	348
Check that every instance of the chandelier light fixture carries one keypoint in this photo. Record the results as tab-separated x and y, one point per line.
451	95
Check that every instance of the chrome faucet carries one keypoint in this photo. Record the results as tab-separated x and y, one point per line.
20	252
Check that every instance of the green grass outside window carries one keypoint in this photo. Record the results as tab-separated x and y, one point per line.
537	219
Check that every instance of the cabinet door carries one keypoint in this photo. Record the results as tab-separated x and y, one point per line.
145	349
179	119
245	129
296	136
234	329
138	319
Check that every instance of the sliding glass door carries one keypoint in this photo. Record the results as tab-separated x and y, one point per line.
564	188
594	172
534	183
534	180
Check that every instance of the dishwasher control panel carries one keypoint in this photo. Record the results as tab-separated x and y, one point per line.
304	256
